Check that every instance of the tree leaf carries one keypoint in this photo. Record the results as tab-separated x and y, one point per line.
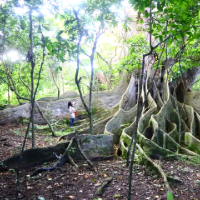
86	176
169	196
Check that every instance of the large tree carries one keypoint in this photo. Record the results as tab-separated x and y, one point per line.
160	112
165	118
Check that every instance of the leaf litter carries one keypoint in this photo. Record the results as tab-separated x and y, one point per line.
65	183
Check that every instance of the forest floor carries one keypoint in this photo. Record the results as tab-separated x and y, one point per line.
81	184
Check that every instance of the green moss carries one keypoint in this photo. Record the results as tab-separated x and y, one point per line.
151	149
124	153
122	127
94	110
126	139
67	120
194	147
194	160
101	151
82	113
60	133
187	138
105	150
21	120
86	140
139	139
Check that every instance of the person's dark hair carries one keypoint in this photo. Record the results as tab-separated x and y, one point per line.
69	104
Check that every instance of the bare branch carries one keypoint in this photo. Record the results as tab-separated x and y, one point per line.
103	59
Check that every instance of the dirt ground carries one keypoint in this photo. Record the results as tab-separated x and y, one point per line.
81	184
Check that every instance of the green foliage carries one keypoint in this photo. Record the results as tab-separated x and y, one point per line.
137	47
175	24
15	69
196	86
194	160
85	23
169	196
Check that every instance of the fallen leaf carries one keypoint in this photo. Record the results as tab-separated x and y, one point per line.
97	184
117	195
49	187
86	176
105	175
41	198
120	177
70	197
48	177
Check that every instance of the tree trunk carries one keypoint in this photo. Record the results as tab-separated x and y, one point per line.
8	95
166	125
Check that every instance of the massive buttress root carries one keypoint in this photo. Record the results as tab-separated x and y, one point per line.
166	127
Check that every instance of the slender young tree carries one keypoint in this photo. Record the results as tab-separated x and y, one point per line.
168	33
82	39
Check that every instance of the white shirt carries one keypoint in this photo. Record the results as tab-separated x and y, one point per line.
72	111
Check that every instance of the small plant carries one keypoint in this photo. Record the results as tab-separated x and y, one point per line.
198	182
194	160
169	196
72	151
117	195
12	170
16	132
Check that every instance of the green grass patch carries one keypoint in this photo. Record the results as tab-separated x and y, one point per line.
194	160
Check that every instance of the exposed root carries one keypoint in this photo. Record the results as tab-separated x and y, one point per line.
173	179
37	171
61	161
66	158
71	161
98	129
123	148
187	152
83	154
34	156
3	140
158	169
45	119
69	136
100	189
